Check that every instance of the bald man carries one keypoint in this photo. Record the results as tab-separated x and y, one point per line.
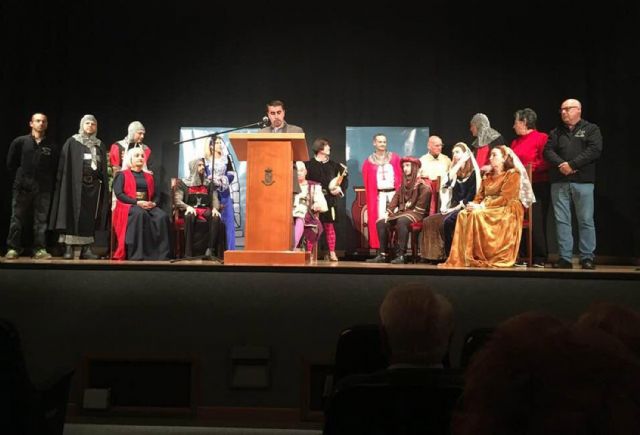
572	151
434	164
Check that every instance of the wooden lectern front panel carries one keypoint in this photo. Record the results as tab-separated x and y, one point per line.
269	195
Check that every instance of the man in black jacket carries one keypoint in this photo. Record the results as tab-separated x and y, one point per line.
32	161
572	151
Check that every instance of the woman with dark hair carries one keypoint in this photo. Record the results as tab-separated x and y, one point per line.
488	230
529	147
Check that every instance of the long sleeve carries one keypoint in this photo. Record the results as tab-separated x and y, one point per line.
178	196
13	156
550	153
319	199
592	151
509	191
118	190
394	202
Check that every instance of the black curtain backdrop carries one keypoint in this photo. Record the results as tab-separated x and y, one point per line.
213	63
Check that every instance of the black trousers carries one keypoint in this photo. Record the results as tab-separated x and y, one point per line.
25	201
401	226
214	225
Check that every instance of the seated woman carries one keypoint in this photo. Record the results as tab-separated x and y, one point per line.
308	202
142	228
458	189
488	230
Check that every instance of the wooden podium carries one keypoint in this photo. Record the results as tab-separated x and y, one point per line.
269	219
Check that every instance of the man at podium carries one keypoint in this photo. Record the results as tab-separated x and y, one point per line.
275	112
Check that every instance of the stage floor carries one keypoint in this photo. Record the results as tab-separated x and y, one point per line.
323	266
68	309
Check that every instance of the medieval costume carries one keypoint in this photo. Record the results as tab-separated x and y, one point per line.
141	233
80	201
486	139
118	149
221	176
381	177
459	186
489	235
196	199
408	205
324	172
308	202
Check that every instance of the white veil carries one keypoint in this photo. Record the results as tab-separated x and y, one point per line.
446	191
526	190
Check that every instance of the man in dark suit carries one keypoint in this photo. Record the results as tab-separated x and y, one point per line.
277	124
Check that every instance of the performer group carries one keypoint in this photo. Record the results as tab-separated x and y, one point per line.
467	210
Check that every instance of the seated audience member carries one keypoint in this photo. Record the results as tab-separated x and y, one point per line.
142	228
539	376
486	139
407	206
618	320
415	393
417	324
308	202
488	230
197	201
459	187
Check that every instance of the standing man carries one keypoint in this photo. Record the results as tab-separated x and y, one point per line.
434	164
135	136
275	112
80	202
572	151
382	175
333	178
32	161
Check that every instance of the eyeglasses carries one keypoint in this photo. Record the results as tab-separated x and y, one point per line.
566	109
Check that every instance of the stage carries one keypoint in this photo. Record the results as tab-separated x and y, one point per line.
288	316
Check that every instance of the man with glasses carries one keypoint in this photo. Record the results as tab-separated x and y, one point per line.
572	150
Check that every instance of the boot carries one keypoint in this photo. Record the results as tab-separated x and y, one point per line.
399	257
87	254
380	258
68	252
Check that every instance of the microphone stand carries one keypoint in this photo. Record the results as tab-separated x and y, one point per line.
260	124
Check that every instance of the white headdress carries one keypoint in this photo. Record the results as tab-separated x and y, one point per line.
526	190
446	190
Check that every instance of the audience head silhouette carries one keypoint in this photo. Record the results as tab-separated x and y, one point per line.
538	375
618	320
417	323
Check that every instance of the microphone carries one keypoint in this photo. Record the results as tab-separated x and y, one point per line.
265	122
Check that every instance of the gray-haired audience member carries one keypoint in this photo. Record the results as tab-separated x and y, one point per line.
418	324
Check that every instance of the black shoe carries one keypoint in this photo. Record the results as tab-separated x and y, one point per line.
398	260
562	264
68	252
521	263
380	258
87	254
588	264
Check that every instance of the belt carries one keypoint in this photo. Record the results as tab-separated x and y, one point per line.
141	196
387	190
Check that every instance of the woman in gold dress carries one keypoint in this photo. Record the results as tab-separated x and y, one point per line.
488	230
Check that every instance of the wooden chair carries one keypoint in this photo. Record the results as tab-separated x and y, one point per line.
416	227
527	223
177	222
